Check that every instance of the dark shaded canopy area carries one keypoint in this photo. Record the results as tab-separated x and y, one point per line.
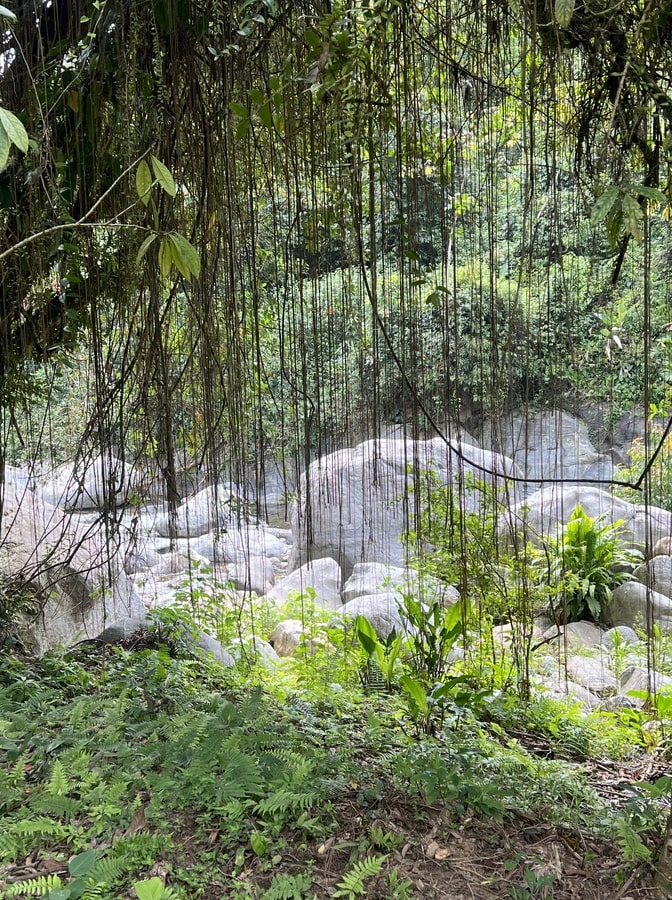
385	197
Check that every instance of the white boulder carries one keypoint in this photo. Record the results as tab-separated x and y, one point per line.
89	483
320	579
355	505
73	569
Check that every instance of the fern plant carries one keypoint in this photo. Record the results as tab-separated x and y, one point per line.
90	876
589	561
353	884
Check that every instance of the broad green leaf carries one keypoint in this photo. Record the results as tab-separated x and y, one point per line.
143	181
239	110
185	256
366	634
257	97
14	128
82	863
564	10
416	691
312	39
144	246
165	257
4	147
178	259
150	889
242	128
651	194
58	894
614	224
452	626
604	204
163	176
259	843
265	115
7	14
633	216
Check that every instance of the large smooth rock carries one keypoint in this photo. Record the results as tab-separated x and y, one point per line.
633	603
240	543
216	507
253	575
73	568
656	574
371	578
575	635
320	579
89	483
636	678
381	609
550	444
286	636
592	673
544	514
355	504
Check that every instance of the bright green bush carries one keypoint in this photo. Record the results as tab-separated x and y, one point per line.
589	561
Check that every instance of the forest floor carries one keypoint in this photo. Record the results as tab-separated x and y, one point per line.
435	858
179	782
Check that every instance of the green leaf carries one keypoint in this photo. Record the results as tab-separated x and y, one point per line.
150	889
259	843
144	246
16	133
239	110
633	216
366	634
82	863
563	12
265	115
163	176
603	204
651	194
143	181
257	97
242	128
185	256
614	224
7	14
165	257
4	147
416	691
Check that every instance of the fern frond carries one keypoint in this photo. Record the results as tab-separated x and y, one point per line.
95	892
38	886
55	805
288	887
38	825
9	847
58	780
77	762
352	884
285	799
293	761
107	871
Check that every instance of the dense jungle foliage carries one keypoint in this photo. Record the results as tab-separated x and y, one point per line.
266	225
236	234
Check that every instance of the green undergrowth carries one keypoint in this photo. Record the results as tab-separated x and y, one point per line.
151	774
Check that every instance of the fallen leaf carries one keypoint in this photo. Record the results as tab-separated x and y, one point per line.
138	823
52	866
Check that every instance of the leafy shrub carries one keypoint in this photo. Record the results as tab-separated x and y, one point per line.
589	562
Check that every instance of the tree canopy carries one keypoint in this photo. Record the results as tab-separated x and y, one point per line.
196	168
